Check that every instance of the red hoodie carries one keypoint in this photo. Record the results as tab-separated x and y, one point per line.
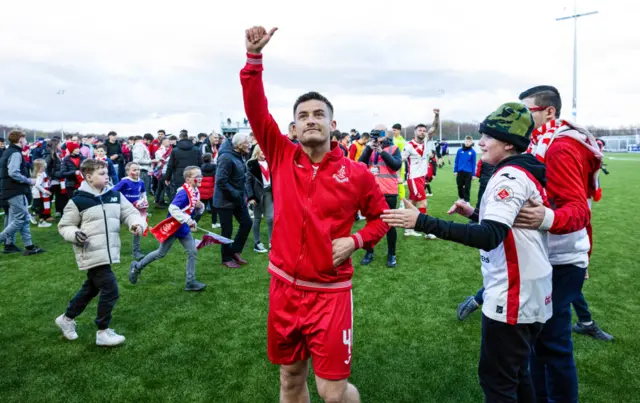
311	208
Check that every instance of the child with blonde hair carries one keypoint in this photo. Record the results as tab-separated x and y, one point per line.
41	193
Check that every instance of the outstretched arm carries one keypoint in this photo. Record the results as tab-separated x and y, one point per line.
264	127
435	126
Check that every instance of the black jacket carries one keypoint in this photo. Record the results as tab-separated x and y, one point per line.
183	155
255	184
114	149
230	190
486	172
68	172
54	167
394	162
9	187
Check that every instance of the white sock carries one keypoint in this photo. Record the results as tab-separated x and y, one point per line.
588	323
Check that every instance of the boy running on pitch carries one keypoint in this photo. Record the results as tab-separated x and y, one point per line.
91	222
184	208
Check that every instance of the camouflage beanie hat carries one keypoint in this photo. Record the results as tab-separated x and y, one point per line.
512	123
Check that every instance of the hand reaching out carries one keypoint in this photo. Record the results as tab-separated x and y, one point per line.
406	218
136	229
462	208
257	38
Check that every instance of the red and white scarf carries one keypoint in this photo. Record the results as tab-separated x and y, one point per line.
266	175
194	198
79	178
46	200
545	135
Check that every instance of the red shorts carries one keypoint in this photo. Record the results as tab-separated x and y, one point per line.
416	189
305	324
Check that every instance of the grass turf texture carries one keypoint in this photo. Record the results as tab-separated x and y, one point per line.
211	346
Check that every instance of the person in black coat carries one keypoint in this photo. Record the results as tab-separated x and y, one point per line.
260	196
54	171
70	170
230	197
184	154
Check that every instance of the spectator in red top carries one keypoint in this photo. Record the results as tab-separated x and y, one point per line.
317	192
572	159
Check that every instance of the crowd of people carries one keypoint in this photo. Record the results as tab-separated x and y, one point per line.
537	172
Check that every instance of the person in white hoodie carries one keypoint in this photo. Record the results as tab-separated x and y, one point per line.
91	222
141	156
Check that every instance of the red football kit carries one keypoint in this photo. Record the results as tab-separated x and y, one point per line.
310	306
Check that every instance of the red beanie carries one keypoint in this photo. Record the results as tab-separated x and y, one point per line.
71	146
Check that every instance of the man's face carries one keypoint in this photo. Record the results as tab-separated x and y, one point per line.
112	139
314	123
420	133
468	142
2	144
165	142
74	139
292	132
363	140
160	136
540	116
396	133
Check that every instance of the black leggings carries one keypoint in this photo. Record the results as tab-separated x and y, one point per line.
392	235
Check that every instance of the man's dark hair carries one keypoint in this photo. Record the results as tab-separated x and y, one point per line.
421	125
544	96
202	136
184	135
397	126
343	136
162	131
1	139
173	138
112	133
148	136
133	138
207	158
184	131
364	135
292	123
312	96
136	138
68	136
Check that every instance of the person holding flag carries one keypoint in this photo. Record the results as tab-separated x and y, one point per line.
184	208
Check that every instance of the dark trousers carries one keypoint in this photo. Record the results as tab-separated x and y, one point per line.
100	280
392	235
208	205
553	368
226	223
504	361
582	309
463	180
59	198
160	192
38	208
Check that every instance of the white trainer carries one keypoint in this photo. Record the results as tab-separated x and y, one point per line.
68	327
108	338
44	224
430	236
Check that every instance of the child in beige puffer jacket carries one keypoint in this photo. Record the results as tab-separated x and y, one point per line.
91	222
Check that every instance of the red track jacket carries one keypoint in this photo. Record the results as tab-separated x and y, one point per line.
310	210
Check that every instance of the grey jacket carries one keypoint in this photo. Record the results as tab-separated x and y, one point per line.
99	216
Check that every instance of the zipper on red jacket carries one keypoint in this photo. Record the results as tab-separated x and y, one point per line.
304	220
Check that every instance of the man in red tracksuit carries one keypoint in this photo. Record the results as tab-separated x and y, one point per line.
317	192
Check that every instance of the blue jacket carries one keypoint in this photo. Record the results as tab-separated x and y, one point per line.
181	201
465	160
230	189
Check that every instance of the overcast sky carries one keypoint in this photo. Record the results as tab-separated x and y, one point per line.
137	66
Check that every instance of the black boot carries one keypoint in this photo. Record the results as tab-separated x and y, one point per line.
367	259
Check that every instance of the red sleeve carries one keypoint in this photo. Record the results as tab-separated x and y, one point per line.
479	168
372	205
566	189
264	127
352	152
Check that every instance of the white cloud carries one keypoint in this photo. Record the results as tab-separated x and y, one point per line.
138	66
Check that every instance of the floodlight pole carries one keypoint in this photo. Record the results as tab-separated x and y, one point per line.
575	17
440	91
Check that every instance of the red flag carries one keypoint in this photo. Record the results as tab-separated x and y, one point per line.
211	239
165	229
